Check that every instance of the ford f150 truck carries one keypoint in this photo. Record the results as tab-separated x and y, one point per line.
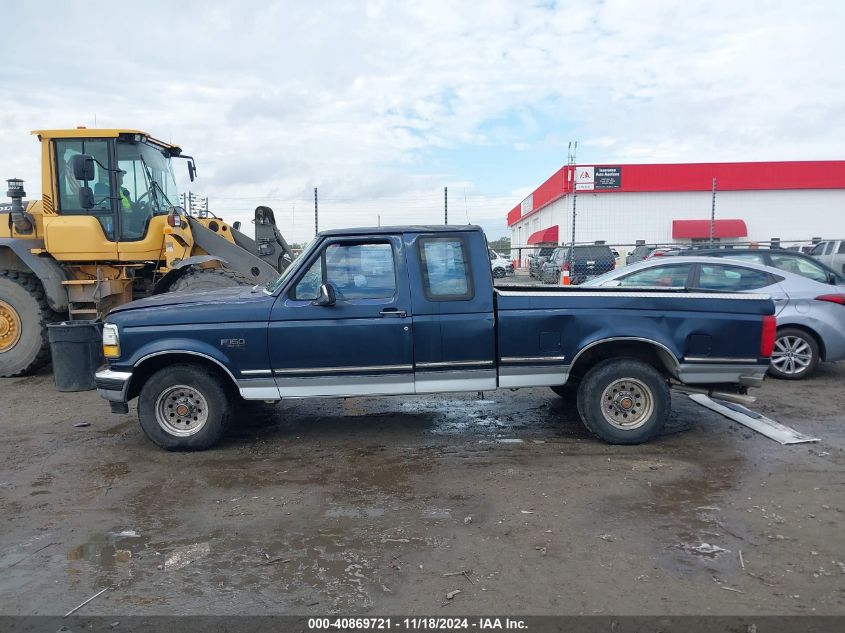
413	310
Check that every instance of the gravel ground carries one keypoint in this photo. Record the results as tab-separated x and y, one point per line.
386	505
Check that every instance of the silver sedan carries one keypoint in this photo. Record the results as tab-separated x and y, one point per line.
810	314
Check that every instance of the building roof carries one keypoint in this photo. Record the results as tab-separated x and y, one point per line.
607	179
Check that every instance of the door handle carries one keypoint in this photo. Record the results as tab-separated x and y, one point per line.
393	312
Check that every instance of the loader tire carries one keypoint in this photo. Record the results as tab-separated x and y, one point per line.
199	279
24	314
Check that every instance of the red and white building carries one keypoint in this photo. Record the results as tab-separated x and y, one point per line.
671	203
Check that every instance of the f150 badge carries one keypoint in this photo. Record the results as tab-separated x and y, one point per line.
232	342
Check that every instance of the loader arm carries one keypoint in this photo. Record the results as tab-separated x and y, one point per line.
235	257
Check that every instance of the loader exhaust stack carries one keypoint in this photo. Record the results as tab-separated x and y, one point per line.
18	215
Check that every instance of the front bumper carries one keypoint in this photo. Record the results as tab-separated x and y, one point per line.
112	385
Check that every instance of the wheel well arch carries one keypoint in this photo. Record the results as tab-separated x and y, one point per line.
651	352
804	328
150	364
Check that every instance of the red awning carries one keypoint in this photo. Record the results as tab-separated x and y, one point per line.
700	229
544	236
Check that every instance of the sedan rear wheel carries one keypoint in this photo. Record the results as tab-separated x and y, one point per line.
795	355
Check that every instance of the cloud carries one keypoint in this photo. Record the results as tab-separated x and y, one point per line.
275	98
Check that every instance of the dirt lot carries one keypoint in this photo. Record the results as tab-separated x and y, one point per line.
373	505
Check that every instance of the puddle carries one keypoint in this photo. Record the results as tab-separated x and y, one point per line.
354	512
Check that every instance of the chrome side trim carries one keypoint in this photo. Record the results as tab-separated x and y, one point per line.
462	380
661	295
531	359
714	359
526	376
639	339
339	386
251	372
363	369
455	363
713	373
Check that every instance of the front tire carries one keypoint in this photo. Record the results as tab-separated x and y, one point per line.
795	355
24	314
184	407
624	401
498	273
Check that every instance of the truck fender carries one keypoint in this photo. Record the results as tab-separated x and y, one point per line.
180	268
15	254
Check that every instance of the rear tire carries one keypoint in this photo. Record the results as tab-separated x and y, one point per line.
184	407
199	279
624	401
795	355
24	314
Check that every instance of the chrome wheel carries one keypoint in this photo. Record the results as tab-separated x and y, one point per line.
181	411
627	403
792	355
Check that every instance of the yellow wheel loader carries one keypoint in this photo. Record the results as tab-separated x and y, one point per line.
108	229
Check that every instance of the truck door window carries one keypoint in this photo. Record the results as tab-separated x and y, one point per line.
725	277
818	249
447	275
357	271
672	276
69	186
841	247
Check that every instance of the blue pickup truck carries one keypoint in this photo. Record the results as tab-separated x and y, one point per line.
413	310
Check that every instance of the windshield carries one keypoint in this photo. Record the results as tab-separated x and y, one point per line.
147	186
273	286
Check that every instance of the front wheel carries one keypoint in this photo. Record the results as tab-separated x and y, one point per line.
624	401
498	273
795	355
183	407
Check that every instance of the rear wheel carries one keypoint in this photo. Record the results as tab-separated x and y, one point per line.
624	401
498	273
198	279
795	355
24	314
184	407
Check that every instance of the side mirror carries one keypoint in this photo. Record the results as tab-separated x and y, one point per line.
237	225
327	296
83	168
86	198
192	170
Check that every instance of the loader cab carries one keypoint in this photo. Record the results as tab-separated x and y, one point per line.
132	182
111	189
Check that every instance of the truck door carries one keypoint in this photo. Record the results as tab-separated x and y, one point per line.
360	345
453	322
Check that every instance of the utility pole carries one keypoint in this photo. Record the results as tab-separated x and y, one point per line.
572	150
316	223
713	214
445	205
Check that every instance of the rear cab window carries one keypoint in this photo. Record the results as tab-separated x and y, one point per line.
446	270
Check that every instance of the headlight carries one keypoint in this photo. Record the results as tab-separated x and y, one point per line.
111	341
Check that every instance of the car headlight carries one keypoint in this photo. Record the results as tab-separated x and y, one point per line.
111	341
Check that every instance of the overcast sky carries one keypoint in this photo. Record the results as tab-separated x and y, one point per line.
382	104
